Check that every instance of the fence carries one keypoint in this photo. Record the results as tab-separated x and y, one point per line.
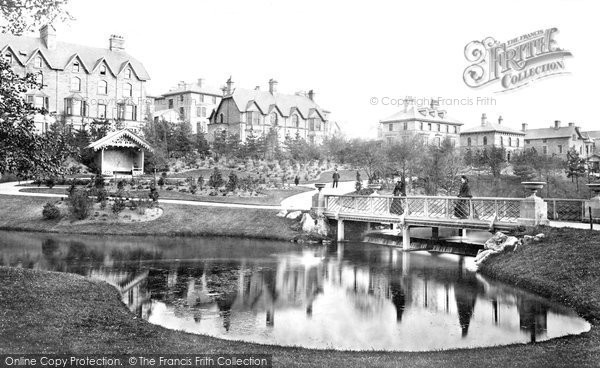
566	209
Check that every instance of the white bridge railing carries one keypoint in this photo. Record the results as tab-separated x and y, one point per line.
484	209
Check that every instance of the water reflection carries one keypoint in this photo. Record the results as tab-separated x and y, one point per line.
352	296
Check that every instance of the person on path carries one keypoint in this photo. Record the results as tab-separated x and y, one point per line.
461	209
297	180
399	191
336	179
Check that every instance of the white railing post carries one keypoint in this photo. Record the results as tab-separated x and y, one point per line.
407	209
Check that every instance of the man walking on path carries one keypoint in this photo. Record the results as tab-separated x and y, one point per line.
336	179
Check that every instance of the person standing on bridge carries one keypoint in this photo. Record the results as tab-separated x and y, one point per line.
336	179
399	191
461	209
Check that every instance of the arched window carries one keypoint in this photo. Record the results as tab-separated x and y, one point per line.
469	141
518	142
485	141
510	141
75	67
128	73
295	121
502	141
221	118
274	118
127	90
39	79
103	70
37	62
102	88
75	84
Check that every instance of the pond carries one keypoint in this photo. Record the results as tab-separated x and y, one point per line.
353	296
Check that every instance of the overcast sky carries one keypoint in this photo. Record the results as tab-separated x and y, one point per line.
352	51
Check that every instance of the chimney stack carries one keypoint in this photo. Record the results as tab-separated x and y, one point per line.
257	88
200	82
224	90
181	85
229	86
48	36
483	119
272	86
556	124
116	43
500	120
311	95
524	127
571	124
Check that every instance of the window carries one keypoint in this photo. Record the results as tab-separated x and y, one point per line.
518	142
127	112
421	125
545	150
391	127
560	150
198	111
485	141
455	129
510	141
574	137
469	141
181	98
429	126
201	98
37	62
102	88
75	68
295	121
437	141
274	118
75	107
182	113
39	79
447	128
8	58
42	102
170	103
128	73
405	125
508	156
102	111
75	84
502	141
127	90
203	111
102	70
221	118
439	127
214	100
544	141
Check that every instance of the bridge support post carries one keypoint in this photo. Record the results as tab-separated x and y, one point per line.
340	230
534	210
405	237
435	233
318	200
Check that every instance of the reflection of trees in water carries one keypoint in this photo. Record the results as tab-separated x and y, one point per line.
533	317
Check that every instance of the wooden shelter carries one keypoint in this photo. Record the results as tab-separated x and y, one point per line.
120	153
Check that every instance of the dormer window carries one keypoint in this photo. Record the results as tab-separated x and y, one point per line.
37	62
8	58
103	70
76	67
221	118
295	121
274	119
128	73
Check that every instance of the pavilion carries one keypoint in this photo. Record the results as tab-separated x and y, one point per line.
120	153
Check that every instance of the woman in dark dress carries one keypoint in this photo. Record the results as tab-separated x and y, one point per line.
399	191
461	210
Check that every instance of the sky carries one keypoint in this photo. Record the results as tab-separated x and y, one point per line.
353	52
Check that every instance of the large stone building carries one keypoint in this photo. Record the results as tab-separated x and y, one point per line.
245	111
488	134
81	83
431	124
558	140
188	102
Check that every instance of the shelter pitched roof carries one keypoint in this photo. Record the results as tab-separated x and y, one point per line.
421	113
120	138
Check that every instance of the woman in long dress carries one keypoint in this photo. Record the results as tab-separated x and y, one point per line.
399	191
461	209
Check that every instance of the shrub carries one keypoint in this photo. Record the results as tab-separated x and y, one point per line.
161	182
216	179
50	182
118	205
201	182
232	184
80	204
101	195
50	211
193	188
153	195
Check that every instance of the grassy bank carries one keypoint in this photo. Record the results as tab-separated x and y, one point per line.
52	312
271	198
25	213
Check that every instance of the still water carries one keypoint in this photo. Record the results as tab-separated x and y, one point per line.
353	296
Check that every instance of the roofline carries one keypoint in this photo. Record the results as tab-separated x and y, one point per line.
418	119
190	91
494	131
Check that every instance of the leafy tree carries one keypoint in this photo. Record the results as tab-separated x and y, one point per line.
403	157
232	184
494	159
575	166
182	142
22	151
216	179
23	15
368	156
201	144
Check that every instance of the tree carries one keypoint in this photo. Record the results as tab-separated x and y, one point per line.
404	156
441	167
575	166
201	144
23	15
494	158
216	179
369	156
22	151
182	142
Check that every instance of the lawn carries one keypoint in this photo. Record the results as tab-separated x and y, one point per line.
272	197
62	313
25	213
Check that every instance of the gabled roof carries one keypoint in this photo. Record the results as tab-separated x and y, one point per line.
491	127
120	138
59	58
265	101
185	88
421	113
594	134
